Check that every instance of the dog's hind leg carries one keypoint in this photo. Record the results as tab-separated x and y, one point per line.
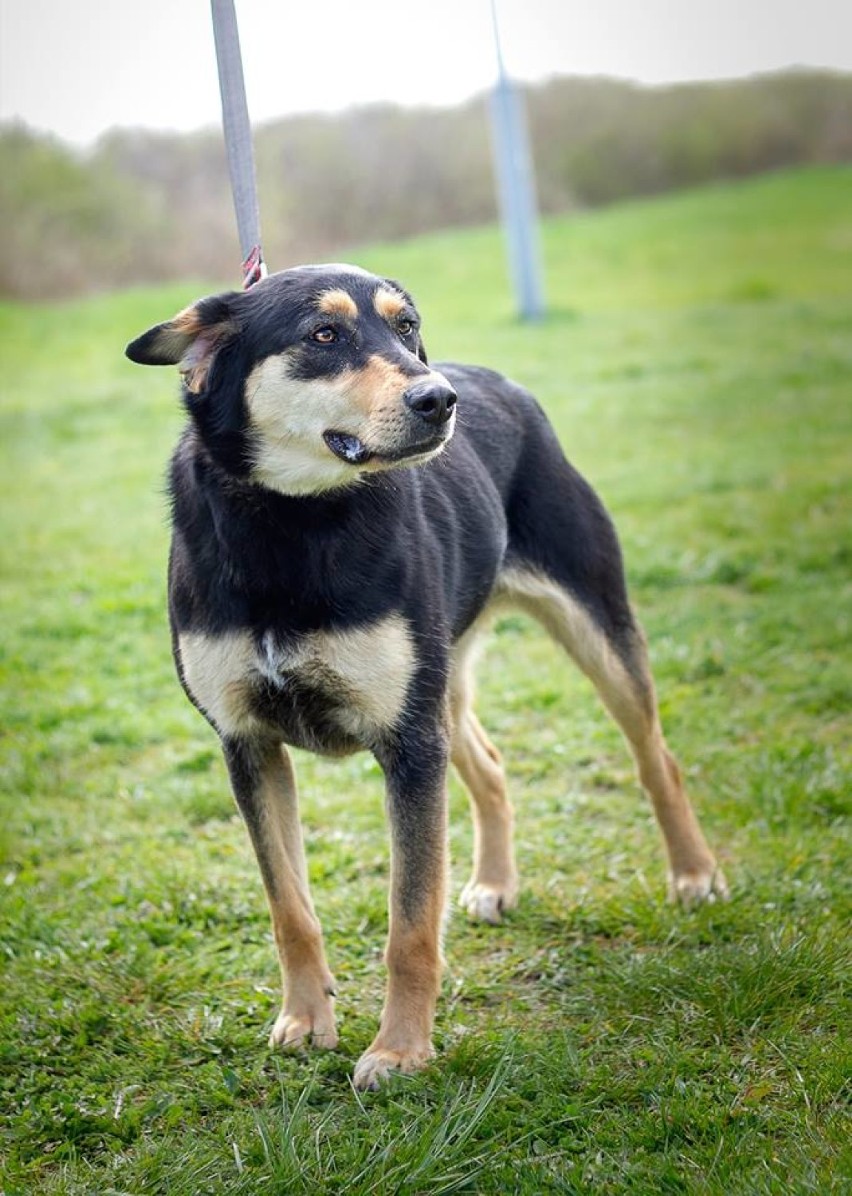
493	886
616	662
265	789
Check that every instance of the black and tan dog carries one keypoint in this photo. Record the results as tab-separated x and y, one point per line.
346	519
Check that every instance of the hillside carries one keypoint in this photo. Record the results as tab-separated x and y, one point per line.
145	206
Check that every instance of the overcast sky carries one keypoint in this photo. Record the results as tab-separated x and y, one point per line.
78	67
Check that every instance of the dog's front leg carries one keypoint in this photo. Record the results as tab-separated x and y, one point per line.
417	811
265	788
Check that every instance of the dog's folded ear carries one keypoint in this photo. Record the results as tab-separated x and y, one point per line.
190	341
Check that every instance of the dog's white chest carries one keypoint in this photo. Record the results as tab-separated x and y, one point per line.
361	673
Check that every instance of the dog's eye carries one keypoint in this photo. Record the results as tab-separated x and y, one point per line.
325	335
404	327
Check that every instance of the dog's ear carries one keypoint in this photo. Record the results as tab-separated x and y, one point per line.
190	341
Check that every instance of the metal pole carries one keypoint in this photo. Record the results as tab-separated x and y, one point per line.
238	143
516	188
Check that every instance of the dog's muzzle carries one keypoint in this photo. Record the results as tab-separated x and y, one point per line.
429	405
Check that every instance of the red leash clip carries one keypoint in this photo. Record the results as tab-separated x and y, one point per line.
254	268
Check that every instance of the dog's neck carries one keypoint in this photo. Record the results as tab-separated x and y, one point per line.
310	554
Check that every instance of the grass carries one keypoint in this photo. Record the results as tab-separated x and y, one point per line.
697	364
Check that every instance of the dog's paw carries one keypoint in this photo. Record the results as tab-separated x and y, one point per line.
488	903
378	1063
293	1028
699	887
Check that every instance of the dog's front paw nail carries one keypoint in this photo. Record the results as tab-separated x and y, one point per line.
376	1064
292	1030
487	903
699	887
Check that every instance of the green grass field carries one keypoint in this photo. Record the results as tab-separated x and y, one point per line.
698	366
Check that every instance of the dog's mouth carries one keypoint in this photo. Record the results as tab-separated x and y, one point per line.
355	452
347	448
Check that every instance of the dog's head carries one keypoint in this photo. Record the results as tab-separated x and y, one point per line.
308	380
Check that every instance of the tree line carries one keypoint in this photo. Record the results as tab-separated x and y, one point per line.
146	206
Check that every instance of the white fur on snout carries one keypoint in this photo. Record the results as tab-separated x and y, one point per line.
288	416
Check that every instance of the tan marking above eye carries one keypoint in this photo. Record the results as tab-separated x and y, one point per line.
338	302
389	304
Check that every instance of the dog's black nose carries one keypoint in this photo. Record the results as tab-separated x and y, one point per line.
432	401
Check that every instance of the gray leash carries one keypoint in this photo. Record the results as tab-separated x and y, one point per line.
238	144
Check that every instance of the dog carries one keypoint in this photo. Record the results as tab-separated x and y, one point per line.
346	519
